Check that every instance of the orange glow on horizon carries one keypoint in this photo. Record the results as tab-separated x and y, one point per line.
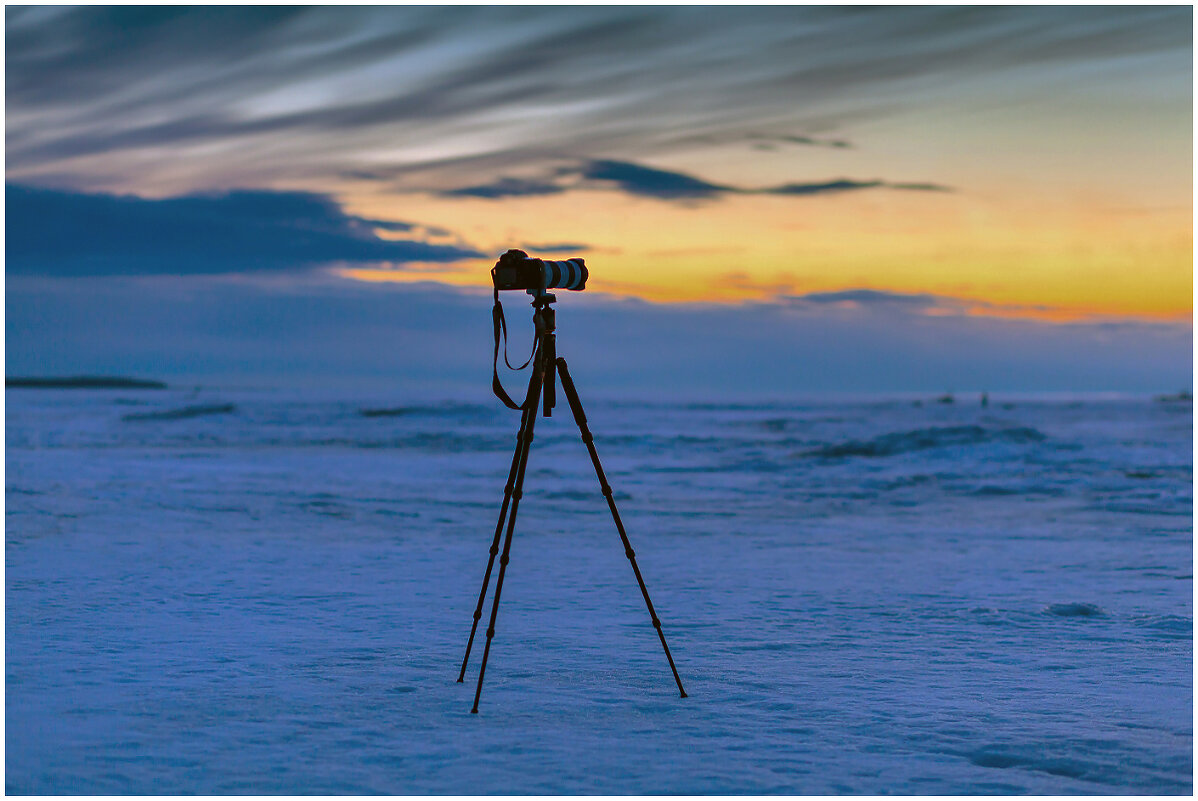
1047	261
966	306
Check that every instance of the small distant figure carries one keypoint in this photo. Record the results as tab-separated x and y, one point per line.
945	398
985	400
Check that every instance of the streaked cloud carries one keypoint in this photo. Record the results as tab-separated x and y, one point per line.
442	94
70	233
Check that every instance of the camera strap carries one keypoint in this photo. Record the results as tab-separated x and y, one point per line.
501	330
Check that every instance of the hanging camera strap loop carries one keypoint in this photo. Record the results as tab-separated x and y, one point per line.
500	325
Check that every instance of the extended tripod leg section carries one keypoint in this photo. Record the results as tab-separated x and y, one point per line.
581	418
525	430
534	393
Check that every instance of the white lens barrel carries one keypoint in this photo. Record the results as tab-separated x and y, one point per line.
568	274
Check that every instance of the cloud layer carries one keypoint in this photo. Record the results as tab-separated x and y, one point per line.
70	233
95	94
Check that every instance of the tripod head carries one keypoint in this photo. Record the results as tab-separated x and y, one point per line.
542	316
544	320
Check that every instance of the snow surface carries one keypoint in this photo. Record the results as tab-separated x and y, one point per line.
861	597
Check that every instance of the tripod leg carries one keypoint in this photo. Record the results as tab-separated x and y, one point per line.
534	392
581	418
507	496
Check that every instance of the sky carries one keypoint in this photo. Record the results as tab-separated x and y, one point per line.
773	199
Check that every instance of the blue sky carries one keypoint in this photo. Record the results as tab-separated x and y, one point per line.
772	200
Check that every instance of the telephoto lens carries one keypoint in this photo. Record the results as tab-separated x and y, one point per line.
569	274
517	270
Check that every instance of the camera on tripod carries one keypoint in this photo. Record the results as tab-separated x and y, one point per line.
517	270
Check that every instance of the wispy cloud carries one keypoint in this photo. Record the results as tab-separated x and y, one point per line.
93	93
70	233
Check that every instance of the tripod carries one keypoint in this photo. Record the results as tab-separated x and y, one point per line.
540	388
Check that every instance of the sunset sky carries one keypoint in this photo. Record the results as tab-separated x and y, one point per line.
873	198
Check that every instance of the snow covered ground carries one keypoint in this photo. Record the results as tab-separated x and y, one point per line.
271	592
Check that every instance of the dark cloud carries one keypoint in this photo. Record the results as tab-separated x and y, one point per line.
506	187
386	225
641	181
847	185
900	303
765	141
769	141
822	187
68	233
367	175
921	187
625	176
636	179
865	297
556	247
839	144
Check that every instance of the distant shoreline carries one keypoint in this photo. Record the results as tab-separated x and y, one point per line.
80	382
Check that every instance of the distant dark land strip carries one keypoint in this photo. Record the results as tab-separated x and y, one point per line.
80	382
